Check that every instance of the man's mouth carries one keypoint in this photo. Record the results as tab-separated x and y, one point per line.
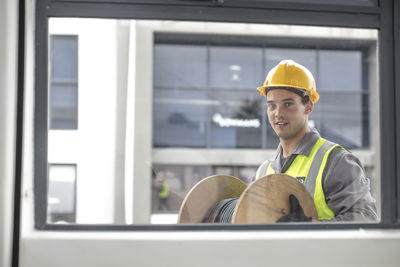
281	124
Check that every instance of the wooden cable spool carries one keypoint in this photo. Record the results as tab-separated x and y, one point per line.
263	201
206	193
267	199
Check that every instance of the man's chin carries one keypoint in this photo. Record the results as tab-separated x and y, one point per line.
283	136
287	135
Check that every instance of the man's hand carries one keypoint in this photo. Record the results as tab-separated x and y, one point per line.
296	212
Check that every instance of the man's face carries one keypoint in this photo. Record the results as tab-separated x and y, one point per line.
287	114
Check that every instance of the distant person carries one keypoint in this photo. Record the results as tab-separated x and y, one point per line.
163	195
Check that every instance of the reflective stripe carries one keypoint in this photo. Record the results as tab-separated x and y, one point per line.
270	170
316	165
301	165
323	210
262	170
264	167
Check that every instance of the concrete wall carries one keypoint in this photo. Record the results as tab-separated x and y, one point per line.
233	249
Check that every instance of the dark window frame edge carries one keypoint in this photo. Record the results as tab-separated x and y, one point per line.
274	5
396	33
222	227
16	228
212	13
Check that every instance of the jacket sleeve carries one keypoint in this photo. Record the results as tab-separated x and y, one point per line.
347	189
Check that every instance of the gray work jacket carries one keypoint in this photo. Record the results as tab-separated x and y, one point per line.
346	188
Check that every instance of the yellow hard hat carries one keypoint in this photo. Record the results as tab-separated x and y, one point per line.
291	76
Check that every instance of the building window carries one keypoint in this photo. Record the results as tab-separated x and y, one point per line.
62	193
204	93
63	82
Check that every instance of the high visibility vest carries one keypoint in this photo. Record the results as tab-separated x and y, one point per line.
309	170
165	190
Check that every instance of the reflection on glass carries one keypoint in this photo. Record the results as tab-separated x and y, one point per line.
157	115
180	118
341	70
236	122
235	67
346	125
304	56
171	184
62	192
180	66
63	82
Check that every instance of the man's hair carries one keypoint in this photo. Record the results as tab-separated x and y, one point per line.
305	99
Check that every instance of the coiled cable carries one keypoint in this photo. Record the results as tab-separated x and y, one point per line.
221	212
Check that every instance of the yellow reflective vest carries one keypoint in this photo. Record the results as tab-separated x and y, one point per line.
309	170
165	190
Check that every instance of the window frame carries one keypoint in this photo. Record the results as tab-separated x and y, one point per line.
383	17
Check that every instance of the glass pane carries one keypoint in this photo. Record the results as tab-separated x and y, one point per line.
236	120
180	179
64	57
305	57
180	118
180	66
63	82
346	67
63	107
344	118
235	67
62	192
158	115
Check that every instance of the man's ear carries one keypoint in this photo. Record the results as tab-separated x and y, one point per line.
309	107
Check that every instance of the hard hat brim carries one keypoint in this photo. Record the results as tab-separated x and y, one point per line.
299	91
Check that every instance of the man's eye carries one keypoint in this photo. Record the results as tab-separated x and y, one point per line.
288	104
271	106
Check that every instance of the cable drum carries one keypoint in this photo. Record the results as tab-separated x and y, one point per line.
227	199
202	203
221	212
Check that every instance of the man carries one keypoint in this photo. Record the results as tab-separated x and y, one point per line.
333	176
160	191
163	194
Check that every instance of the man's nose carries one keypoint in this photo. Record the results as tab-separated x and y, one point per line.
278	111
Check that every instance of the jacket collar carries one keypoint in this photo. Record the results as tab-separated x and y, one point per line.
304	148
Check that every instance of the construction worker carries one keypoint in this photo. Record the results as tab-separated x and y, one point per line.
333	176
163	195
